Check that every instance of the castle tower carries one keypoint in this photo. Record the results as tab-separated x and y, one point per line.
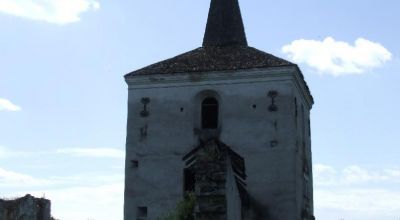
224	112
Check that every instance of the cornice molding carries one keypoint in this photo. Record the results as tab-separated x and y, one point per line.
286	73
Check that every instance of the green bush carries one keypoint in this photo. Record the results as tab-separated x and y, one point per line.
184	210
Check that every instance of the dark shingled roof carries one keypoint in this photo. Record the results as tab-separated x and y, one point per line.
224	47
205	59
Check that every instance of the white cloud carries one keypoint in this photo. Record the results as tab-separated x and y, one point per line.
93	152
14	179
72	152
393	172
11	154
325	175
7	105
356	204
52	11
101	202
78	197
356	193
92	194
337	57
89	179
3	152
99	199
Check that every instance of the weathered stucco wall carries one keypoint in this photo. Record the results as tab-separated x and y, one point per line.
267	140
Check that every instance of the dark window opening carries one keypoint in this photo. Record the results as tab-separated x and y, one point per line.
145	101
273	94
141	212
182	109
135	163
209	113
254	106
190	180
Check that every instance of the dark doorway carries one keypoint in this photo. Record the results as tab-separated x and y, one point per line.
209	113
190	180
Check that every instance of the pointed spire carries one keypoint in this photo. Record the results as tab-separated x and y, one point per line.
224	25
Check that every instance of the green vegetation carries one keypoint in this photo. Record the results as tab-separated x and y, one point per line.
184	210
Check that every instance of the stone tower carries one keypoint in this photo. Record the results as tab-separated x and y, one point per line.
225	121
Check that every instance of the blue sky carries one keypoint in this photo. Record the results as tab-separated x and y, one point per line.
63	97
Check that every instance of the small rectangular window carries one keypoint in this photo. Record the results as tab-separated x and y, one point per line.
135	163
190	180
141	213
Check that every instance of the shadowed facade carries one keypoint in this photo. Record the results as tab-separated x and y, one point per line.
226	122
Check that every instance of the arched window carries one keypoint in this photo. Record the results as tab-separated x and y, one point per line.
209	113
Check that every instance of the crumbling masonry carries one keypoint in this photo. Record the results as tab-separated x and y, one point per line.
25	208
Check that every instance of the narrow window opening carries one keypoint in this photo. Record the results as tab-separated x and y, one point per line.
145	112
141	213
273	94
209	113
182	109
189	180
254	106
